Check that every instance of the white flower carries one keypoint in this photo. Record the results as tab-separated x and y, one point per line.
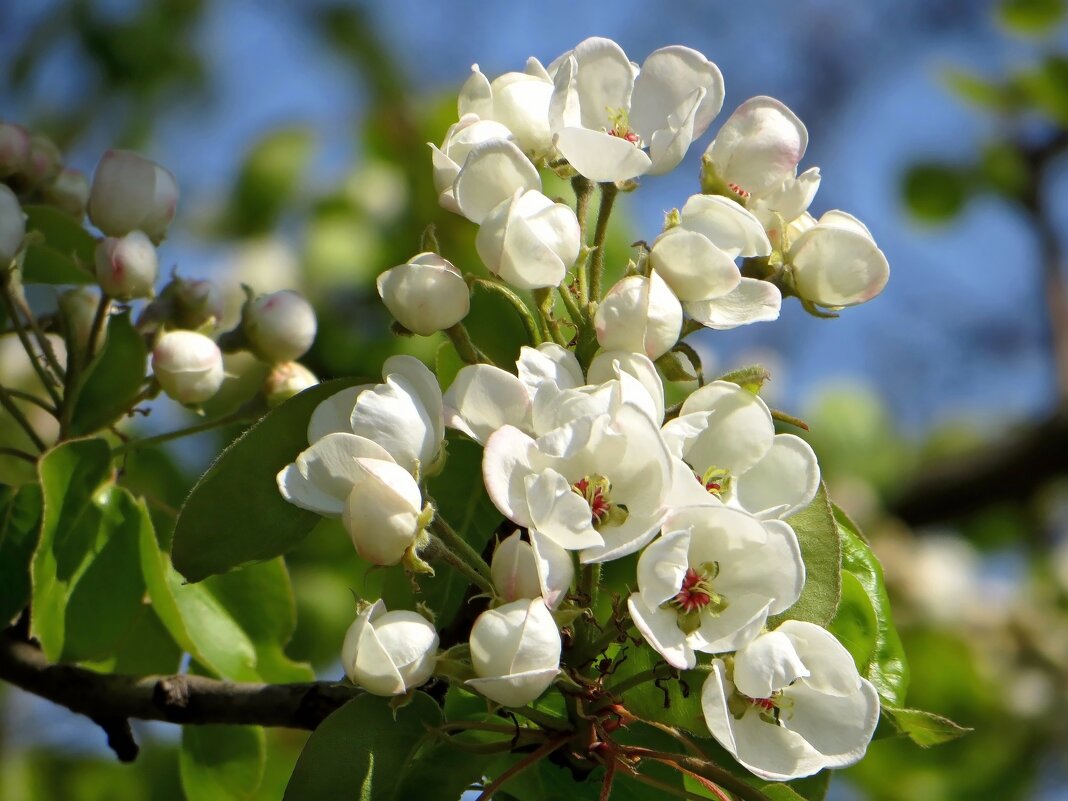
726	435
793	704
491	174
286	380
529	240
323	475
132	193
403	415
536	569
639	314
787	202
461	137
594	484
383	513
12	226
188	366
426	295
280	326
515	652
517	100
836	262
127	266
389	653
710	583
603	111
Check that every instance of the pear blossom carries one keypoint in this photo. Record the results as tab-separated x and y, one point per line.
280	326
323	475
493	172
389	653
791	703
132	193
726	435
515	652
836	263
517	100
127	266
595	484
426	295
12	226
529	240
461	137
787	202
603	111
286	380
711	581
641	314
536	569
188	366
383	513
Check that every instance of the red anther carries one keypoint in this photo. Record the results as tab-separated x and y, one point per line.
630	136
764	703
739	191
690	596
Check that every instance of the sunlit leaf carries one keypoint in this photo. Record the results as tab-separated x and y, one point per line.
222	763
1032	16
924	728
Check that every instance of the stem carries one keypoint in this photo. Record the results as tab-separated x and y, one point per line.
102	309
461	340
437	549
544	299
72	380
29	397
12	408
583	192
520	766
702	767
521	308
42	340
573	310
608	197
453	540
678	792
633	681
145	442
15	452
16	321
543	719
590	582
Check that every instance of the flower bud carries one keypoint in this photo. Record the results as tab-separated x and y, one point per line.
389	653
529	241
12	226
640	315
44	161
14	148
836	262
127	267
188	366
78	307
450	157
286	380
130	192
69	192
426	295
536	569
280	326
518	100
383	513
515	652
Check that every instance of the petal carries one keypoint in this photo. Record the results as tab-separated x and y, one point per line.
372	667
640	478
740	430
839	727
759	146
515	690
772	751
560	513
483	398
789	201
832	668
660	629
619	541
668	77
492	173
476	96
424	298
649	396
785	480
767	664
731	228
425	384
841	219
509	457
783	566
323	475
668	146
549	362
752	301
604	80
679	434
556	569
601	157
733	628
539	642
686	490
836	266
392	415
333	414
692	265
662	567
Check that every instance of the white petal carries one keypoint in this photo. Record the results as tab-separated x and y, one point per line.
772	751
476	96
507	460
740	430
733	628
692	265
619	541
727	225
604	80
560	513
668	146
679	434
323	475
752	301
789	201
483	398
839	727
392	415
549	362
662	567
600	156
833	670
668	77
767	664
492	173
783	566
517	689
836	266
608	364
424	298
513	569
841	219
556	569
333	414
539	641
639	314
686	490
786	478
640	478
759	146
425	384
661	631
381	514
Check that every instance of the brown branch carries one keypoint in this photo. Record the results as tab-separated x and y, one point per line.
110	700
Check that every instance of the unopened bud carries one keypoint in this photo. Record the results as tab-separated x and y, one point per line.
44	161
14	148
196	302
78	307
286	380
127	267
12	226
426	295
280	326
188	366
130	192
69	192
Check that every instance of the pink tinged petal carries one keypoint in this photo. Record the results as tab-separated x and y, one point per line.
549	362
692	265
841	219
483	398
560	513
604	81
640	383
839	727
731	228
835	266
556	569
660	629
513	569
492	173
323	475
600	156
662	567
333	415
668	146
767	664
784	481
752	301
476	96
832	668
670	76
759	146
740	430
507	461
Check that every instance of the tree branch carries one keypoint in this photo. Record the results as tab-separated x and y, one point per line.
110	700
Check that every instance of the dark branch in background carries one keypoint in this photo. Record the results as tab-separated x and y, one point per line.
111	700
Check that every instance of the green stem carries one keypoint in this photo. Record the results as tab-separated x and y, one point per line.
29	397
219	422
531	759
39	335
454	541
16	413
26	457
76	364
573	310
436	549
590	582
704	768
102	309
544	299
461	340
543	719
608	198
46	378
521	308
583	192
634	681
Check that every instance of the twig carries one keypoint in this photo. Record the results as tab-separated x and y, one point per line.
12	408
531	759
47	379
608	198
144	442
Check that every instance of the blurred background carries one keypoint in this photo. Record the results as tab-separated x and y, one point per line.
297	133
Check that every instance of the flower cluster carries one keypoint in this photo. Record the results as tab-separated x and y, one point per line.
582	457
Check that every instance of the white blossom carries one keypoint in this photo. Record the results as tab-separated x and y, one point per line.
640	314
517	100
536	569
461	137
132	193
286	380
493	172
389	653
515	652
383	513
426	295
188	366
280	326
127	266
836	262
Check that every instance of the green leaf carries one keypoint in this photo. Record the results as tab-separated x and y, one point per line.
447	363
887	667
821	551
362	751
71	474
979	91
855	625
20	515
748	378
67	254
222	763
1046	87
268	180
1031	17
235	515
936	193
924	728
676	702
113	380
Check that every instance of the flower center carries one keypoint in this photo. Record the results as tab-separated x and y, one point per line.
739	191
621	127
716	480
769	709
596	490
696	597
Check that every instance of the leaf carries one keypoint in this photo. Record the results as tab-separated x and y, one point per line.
887	667
113	380
20	516
67	254
235	515
268	180
979	91
821	551
1046	87
936	193
222	763
855	624
362	751
1032	17
924	728
676	702
70	474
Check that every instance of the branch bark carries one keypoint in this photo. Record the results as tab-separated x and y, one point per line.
111	700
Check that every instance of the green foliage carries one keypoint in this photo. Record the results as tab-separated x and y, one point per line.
924	728
269	178
235	515
935	192
113	380
363	750
1032	16
67	253
1046	88
674	701
20	514
222	763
